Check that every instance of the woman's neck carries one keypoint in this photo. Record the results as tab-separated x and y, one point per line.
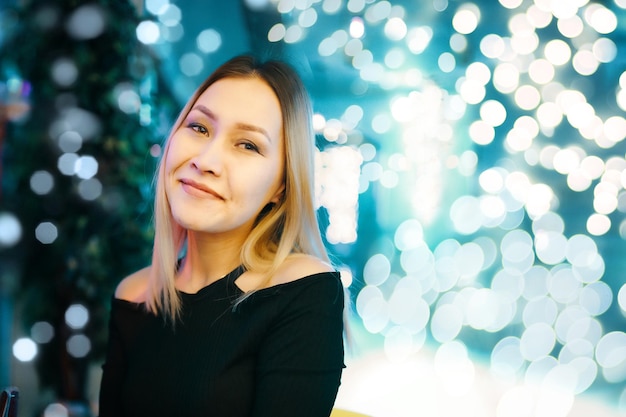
207	260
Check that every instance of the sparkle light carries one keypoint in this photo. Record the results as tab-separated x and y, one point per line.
357	28
42	332
41	182
70	141
46	232
493	112
395	29
527	97
257	4
155	6
331	6
419	38
148	32
505	157
170	15
86	22
191	64
64	72
600	18
510	4
90	189
492	46
466	19
209	40
276	33
10	229
76	316
24	349
56	410
78	345
378	11
339	197
557	52
506	77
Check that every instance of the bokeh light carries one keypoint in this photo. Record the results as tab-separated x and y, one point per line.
471	173
76	316
56	410
25	349
10	229
42	332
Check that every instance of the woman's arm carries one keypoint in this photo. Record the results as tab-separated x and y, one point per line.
130	289
301	360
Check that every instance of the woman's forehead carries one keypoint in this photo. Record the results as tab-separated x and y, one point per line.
242	102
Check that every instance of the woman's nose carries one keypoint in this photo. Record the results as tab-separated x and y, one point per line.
210	157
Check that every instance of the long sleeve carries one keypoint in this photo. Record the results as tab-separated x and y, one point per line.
301	360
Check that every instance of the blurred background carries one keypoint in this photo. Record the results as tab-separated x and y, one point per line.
471	183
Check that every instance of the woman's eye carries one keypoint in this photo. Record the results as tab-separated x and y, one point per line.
249	146
198	128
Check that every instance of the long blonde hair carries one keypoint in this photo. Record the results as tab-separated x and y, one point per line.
288	227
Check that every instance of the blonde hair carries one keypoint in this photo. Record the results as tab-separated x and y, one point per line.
286	228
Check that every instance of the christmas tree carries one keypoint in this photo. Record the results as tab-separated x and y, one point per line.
76	173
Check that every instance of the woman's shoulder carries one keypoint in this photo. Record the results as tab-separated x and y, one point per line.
133	288
300	266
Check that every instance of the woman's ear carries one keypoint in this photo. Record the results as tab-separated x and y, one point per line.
278	195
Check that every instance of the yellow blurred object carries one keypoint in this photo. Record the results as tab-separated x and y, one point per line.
345	413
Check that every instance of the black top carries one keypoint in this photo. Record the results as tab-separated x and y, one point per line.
278	353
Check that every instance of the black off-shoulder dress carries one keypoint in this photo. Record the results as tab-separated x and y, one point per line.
278	353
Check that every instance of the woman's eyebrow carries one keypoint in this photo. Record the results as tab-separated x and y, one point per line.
241	126
253	128
203	109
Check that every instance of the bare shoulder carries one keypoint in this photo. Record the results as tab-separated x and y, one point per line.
299	266
133	287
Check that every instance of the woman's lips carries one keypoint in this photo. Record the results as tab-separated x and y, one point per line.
198	190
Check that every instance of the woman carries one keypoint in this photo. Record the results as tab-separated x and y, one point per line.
240	313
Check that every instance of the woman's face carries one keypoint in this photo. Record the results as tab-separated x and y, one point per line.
226	161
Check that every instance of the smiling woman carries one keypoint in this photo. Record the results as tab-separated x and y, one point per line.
240	312
225	165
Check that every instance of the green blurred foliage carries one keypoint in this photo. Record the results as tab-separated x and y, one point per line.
100	241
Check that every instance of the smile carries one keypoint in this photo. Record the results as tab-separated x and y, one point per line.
198	190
